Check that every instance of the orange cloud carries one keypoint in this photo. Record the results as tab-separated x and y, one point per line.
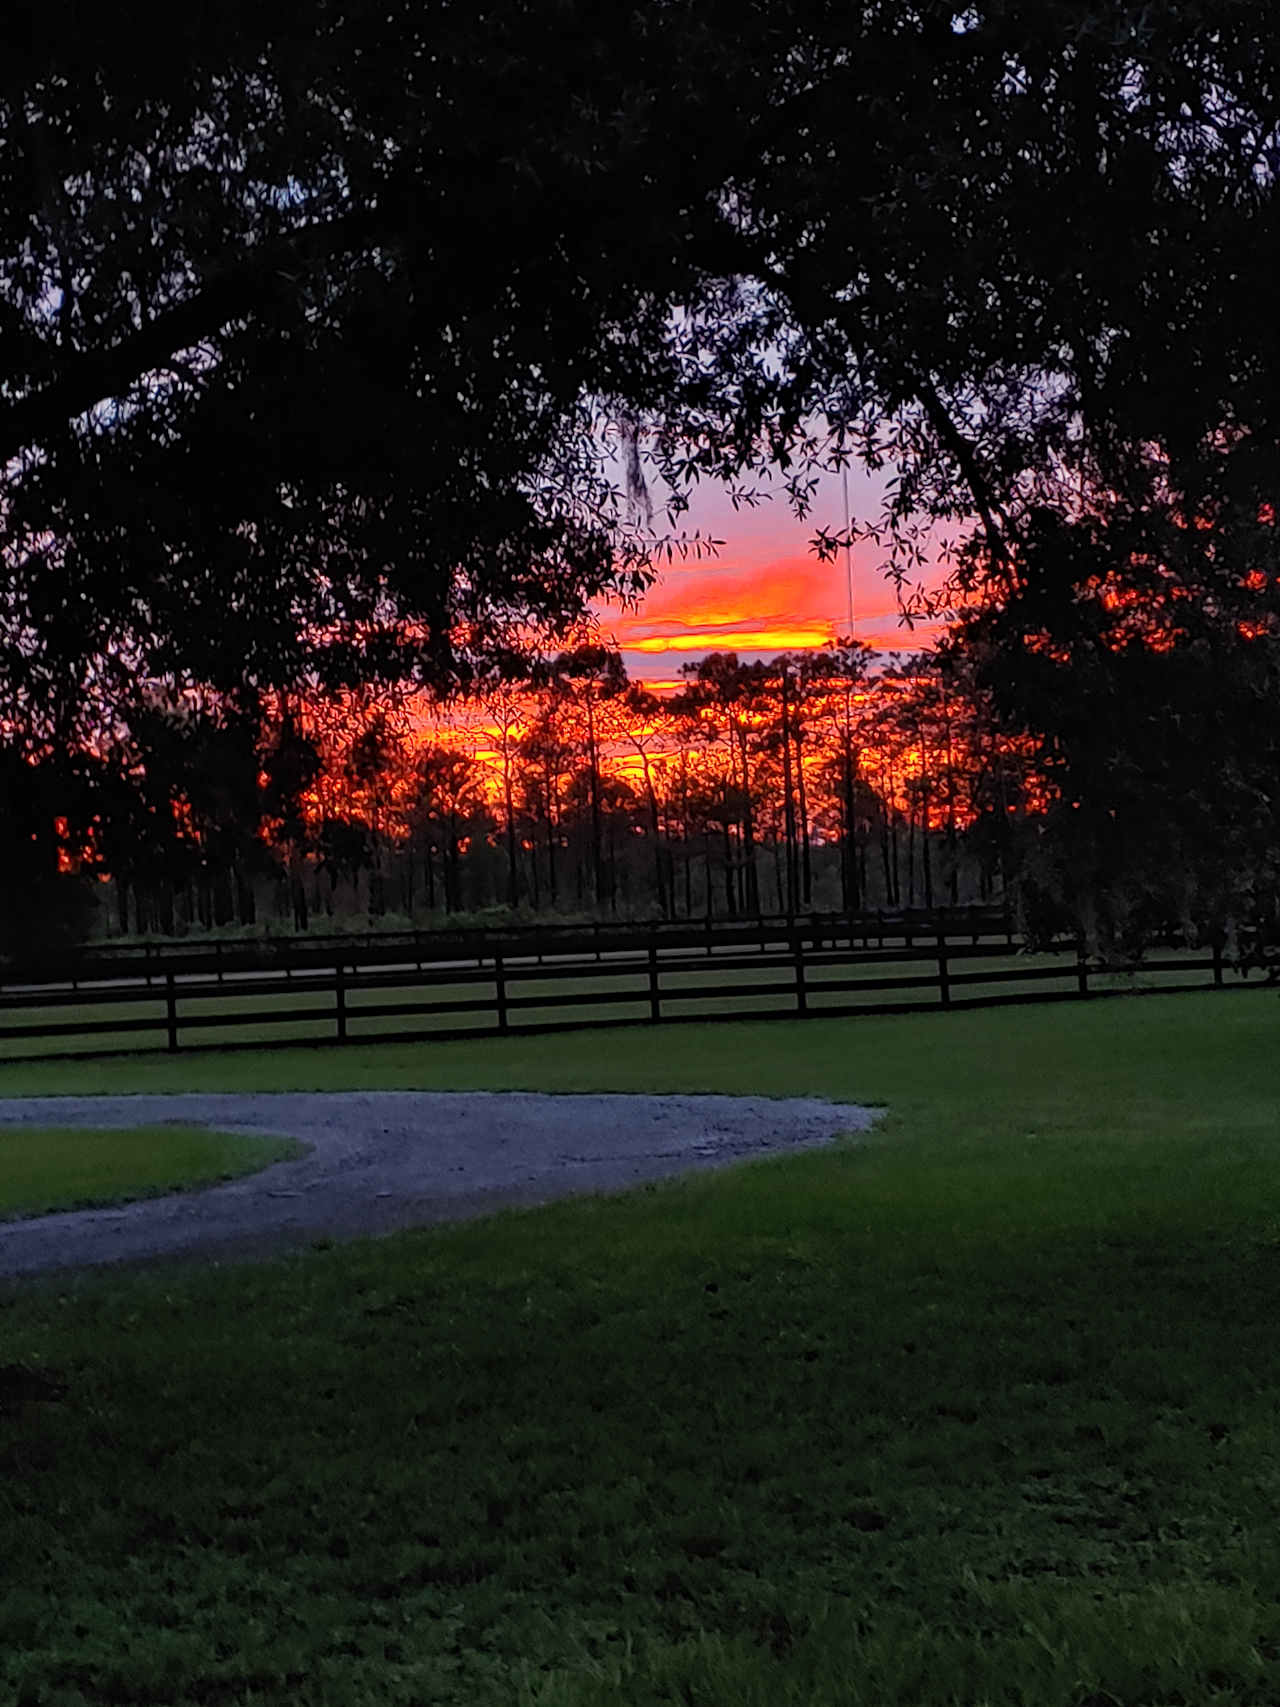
786	604
734	639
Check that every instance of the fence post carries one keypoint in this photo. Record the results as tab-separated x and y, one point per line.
655	1007
171	1012
802	996
944	977
595	932
340	1002
1082	969
1217	964
217	959
500	989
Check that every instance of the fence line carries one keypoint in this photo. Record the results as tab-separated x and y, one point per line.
149	962
790	980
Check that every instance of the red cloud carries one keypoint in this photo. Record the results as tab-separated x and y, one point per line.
782	605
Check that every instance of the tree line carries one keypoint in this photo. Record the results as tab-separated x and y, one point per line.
825	780
816	780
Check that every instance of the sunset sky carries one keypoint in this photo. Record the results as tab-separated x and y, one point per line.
765	592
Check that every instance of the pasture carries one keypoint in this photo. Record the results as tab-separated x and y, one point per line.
431	1003
982	1410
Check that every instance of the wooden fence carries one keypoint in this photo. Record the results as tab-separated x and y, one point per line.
806	975
150	962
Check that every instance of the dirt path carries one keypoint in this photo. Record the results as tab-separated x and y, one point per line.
382	1160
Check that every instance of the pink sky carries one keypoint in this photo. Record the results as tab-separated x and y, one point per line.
765	592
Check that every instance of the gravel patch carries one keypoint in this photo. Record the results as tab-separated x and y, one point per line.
384	1160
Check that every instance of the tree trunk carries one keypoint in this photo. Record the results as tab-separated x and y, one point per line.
593	764
750	884
802	802
849	864
889	850
513	870
788	805
297	892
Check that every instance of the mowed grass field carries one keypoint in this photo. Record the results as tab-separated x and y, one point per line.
233	1014
50	1168
981	1410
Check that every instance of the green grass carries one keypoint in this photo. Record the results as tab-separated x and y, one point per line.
982	1410
48	1168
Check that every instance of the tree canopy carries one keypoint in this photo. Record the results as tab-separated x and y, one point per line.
341	342
310	322
306	327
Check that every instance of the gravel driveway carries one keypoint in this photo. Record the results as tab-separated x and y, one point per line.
382	1160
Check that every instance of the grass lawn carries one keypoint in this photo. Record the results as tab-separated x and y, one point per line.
983	1410
69	1168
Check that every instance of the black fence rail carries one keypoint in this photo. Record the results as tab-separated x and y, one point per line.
150	963
804	975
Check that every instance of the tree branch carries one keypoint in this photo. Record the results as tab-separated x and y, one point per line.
816	311
966	459
230	290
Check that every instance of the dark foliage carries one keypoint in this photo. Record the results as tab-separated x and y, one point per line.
342	342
